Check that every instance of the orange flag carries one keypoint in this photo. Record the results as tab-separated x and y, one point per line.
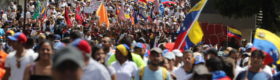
102	14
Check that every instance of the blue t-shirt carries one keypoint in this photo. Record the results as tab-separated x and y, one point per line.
152	75
254	76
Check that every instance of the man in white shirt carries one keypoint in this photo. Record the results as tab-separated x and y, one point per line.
185	72
92	70
17	60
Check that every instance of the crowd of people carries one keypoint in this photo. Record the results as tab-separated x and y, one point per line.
48	48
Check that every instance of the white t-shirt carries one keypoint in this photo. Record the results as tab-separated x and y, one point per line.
126	70
95	71
17	73
182	75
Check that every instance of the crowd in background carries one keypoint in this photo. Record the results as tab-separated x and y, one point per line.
48	48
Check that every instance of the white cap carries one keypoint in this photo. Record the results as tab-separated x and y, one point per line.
169	55
177	53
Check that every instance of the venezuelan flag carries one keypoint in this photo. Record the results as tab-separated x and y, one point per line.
234	33
190	33
269	43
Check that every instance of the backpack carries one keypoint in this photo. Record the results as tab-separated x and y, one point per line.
164	73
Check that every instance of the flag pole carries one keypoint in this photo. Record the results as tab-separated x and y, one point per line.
196	17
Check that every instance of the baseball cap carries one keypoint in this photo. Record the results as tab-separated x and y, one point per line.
20	37
68	53
199	59
158	50
177	53
139	45
169	55
82	45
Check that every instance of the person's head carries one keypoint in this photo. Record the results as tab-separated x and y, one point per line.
178	55
188	58
45	50
30	43
75	35
98	54
214	64
83	46
18	40
67	64
126	40
234	54
123	53
257	58
211	53
106	42
155	57
139	49
169	60
201	73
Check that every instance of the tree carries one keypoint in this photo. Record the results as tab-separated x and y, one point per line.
247	8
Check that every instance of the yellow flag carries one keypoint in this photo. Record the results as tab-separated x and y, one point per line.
196	33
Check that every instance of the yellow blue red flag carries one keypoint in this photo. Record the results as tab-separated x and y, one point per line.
190	33
269	43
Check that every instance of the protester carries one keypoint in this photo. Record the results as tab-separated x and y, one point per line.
215	66
141	50
67	64
3	57
99	55
41	69
254	71
92	69
135	57
153	71
200	72
179	58
124	66
185	72
146	30
18	60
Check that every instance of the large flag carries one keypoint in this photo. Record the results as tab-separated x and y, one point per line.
37	10
267	42
234	33
102	14
190	33
67	18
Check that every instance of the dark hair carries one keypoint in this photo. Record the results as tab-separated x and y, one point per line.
233	51
126	40
212	51
75	35
214	64
40	46
195	48
258	53
94	49
29	44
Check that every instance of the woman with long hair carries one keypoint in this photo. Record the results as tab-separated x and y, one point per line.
41	68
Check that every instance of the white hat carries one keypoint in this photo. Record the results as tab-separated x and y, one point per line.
177	53
169	55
